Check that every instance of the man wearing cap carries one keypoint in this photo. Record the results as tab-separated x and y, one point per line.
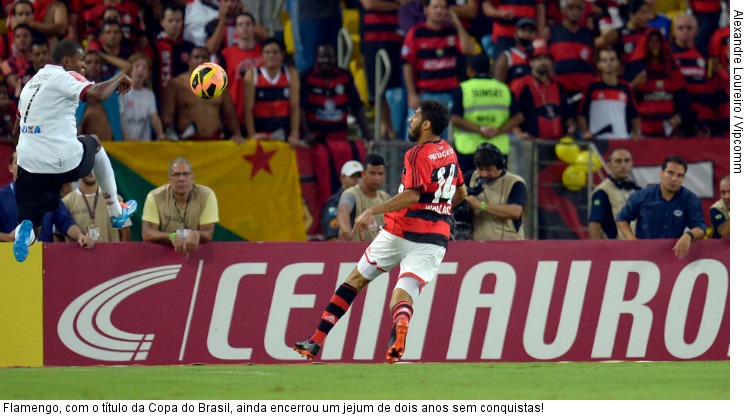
484	110
362	196
513	63
351	173
506	14
542	100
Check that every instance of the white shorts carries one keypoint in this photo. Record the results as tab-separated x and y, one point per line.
418	261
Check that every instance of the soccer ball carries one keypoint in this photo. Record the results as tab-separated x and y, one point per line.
208	80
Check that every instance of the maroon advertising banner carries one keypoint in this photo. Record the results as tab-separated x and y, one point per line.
233	303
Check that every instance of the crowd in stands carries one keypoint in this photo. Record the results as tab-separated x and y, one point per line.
671	72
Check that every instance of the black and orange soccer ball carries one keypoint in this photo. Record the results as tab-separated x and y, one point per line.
208	80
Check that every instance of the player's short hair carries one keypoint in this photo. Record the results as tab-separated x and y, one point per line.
65	48
436	113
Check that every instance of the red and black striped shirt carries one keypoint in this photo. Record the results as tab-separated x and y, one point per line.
433	55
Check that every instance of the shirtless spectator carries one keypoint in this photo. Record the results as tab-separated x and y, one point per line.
103	118
187	116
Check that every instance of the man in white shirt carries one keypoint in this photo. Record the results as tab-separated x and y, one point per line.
49	151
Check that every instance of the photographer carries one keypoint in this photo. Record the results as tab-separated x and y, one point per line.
496	197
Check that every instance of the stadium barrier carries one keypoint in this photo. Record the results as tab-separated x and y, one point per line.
238	302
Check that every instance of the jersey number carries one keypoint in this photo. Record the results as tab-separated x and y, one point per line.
446	189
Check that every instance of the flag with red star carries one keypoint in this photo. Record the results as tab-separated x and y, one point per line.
257	183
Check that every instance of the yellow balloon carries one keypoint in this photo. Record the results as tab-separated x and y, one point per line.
583	159
566	150
574	177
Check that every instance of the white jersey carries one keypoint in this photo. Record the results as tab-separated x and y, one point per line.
46	110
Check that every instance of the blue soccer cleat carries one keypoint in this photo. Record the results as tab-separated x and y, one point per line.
22	238
127	209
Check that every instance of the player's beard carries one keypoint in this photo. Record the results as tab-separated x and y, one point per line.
414	133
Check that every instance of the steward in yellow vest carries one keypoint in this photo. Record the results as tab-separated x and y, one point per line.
484	110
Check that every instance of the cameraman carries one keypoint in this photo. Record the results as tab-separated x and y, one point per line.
496	197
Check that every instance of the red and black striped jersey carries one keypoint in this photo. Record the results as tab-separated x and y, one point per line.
432	169
271	108
326	101
519	65
627	41
519	9
433	56
376	26
658	99
609	109
171	59
573	57
694	69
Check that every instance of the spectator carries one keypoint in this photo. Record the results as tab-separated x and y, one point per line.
572	48
721	96
8	113
17	68
694	71
430	67
327	97
360	197
181	212
485	111
59	219
541	99
111	48
186	116
40	54
221	30
379	30
708	15
171	50
92	217
720	211
505	15
351	174
22	12
314	22
272	97
635	29
139	113
608	109
497	197
50	19
718	43
665	210
101	119
513	63
611	195
240	59
198	14
659	88
131	27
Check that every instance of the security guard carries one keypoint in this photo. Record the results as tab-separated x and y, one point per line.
484	110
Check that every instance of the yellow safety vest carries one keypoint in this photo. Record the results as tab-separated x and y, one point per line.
485	101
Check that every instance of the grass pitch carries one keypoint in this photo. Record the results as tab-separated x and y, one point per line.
413	381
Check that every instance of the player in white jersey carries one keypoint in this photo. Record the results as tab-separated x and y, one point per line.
50	153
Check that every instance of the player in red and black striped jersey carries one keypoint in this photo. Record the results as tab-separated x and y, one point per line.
415	234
